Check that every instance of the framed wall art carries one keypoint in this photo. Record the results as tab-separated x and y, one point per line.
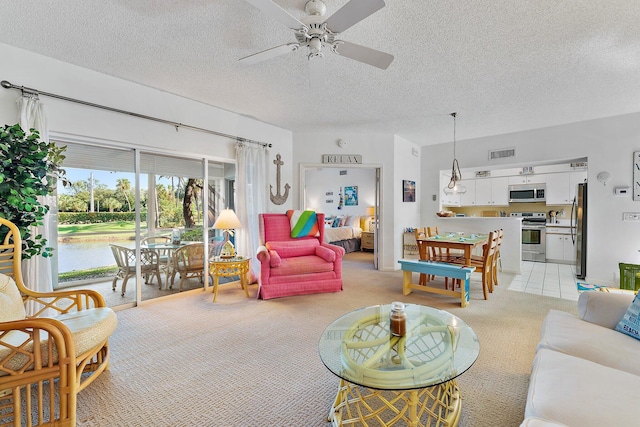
408	191
351	196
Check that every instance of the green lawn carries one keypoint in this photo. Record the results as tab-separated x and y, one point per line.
105	227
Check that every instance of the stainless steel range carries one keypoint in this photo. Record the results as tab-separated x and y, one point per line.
533	235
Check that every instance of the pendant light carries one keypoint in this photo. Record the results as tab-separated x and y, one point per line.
454	186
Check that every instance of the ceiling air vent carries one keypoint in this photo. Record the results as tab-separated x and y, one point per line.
502	154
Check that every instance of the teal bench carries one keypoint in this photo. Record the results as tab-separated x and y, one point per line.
436	269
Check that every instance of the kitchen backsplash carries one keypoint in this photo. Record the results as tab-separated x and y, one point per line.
520	207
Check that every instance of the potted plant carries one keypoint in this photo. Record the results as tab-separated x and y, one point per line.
29	168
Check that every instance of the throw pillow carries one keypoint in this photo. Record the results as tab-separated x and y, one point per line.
326	253
303	223
343	221
336	222
274	259
630	322
11	305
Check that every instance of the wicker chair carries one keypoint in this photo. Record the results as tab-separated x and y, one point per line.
46	361
126	261
188	261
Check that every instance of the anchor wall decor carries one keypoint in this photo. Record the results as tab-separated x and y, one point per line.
278	198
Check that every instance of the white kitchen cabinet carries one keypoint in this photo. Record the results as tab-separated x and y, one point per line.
559	245
561	187
528	179
468	198
492	191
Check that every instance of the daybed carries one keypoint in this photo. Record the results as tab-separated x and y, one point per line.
46	359
296	266
344	231
585	373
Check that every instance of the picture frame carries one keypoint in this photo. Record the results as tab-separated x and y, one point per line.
408	191
351	195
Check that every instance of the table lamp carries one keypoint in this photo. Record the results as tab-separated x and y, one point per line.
227	221
371	212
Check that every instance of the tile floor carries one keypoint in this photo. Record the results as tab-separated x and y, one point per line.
553	280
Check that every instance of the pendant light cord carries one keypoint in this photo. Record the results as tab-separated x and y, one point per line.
456	175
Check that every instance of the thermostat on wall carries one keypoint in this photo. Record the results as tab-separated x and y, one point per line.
621	191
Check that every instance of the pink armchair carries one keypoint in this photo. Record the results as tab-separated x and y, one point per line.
296	266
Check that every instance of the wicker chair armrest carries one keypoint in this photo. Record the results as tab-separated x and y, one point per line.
64	301
25	348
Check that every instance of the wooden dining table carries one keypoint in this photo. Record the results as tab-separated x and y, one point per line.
464	242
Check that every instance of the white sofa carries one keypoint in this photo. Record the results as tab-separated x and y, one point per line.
585	373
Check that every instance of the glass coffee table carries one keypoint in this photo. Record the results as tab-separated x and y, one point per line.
388	380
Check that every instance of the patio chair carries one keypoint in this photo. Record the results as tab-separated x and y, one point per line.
126	261
188	261
164	254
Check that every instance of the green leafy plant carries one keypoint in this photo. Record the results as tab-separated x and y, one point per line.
29	168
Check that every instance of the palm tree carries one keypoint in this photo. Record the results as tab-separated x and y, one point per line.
124	185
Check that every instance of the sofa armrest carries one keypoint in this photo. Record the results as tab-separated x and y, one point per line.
262	254
604	308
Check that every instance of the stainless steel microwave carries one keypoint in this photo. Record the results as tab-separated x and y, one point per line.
526	193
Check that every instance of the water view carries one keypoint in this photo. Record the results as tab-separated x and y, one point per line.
84	255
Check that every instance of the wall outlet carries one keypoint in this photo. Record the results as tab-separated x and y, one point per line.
631	216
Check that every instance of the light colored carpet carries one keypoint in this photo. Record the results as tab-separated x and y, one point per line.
185	361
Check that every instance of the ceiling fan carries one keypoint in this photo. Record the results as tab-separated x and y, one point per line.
318	34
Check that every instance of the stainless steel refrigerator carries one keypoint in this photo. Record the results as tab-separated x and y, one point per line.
579	229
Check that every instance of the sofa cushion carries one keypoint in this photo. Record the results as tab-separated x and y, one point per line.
603	308
326	253
293	248
302	265
568	334
11	305
562	388
89	328
630	322
539	422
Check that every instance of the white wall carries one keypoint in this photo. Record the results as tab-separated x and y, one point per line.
72	121
608	144
377	150
320	181
405	214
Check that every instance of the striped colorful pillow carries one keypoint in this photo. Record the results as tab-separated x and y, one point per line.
303	223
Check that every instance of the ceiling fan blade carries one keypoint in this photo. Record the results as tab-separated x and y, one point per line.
316	72
269	53
352	13
277	13
364	54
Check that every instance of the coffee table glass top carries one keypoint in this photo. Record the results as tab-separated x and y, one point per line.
437	347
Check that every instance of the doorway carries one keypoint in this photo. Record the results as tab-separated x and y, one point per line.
348	193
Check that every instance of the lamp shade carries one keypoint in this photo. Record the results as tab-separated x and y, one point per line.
371	211
227	220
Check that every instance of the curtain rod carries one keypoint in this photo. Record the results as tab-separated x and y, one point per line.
7	85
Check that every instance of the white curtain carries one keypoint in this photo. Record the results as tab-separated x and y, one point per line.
37	271
251	199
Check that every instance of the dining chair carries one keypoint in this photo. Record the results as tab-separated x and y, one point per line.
188	261
423	252
496	259
484	264
126	262
440	254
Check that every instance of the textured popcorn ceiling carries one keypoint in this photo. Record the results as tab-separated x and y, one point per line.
503	65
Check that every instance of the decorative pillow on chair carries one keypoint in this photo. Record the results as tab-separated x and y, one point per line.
274	259
303	223
630	322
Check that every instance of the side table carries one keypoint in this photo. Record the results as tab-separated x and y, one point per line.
229	267
367	241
